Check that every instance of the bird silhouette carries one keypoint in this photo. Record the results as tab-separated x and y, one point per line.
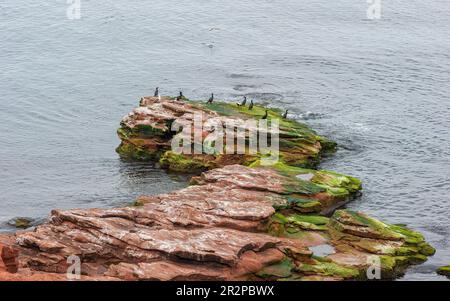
211	99
180	97
156	92
251	105
265	115
285	114
243	102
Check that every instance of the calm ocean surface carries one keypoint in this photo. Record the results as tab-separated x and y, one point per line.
378	87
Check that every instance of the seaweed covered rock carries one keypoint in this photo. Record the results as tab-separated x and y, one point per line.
444	271
146	134
395	246
21	222
238	220
356	241
303	190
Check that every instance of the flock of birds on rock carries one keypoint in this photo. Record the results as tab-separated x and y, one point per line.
211	99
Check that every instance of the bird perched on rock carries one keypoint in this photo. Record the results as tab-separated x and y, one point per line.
251	105
285	114
265	115
156	92
180	97
211	99
243	102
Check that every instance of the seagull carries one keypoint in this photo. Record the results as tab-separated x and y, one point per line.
180	97
243	102
251	105
265	115
285	114
156	92
211	99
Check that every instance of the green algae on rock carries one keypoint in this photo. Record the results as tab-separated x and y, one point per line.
239	220
444	271
286	191
297	192
147	131
357	239
396	246
21	222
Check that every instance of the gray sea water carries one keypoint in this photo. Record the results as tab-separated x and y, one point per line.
380	88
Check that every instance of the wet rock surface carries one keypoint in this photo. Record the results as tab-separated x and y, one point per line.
147	130
234	222
444	271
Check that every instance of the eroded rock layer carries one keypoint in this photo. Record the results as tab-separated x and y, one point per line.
225	227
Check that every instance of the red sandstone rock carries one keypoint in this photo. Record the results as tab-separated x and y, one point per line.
215	230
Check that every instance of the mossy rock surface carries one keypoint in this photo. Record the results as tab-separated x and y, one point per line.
328	269
21	222
282	269
299	144
130	151
444	271
304	195
295	223
313	191
183	163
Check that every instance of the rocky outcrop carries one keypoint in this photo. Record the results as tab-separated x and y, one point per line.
147	130
234	222
225	227
444	271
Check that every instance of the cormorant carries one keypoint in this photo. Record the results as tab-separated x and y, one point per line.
285	114
156	92
211	99
251	105
180	97
243	102
265	115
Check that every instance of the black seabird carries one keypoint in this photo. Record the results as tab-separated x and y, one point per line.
251	105
211	99
180	97
285	114
156	92
243	102
265	115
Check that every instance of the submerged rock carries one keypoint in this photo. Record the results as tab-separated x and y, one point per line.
21	222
